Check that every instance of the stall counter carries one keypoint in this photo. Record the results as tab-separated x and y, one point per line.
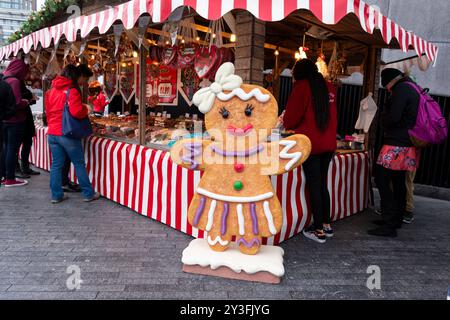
148	182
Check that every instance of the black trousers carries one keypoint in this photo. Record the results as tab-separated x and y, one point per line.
392	188
12	138
26	149
316	173
65	172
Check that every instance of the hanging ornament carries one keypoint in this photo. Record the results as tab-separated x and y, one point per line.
169	34
118	30
321	63
142	29
214	36
82	47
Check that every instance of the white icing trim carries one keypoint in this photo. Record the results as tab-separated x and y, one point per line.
226	198
269	218
244	96
241	220
211	211
269	258
218	239
284	154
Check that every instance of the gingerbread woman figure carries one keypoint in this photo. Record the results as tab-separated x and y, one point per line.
235	196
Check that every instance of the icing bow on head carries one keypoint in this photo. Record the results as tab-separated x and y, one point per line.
225	80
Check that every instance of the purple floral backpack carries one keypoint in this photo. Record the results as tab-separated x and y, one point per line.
431	126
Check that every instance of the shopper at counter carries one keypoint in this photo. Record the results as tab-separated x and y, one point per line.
311	110
65	89
69	186
397	155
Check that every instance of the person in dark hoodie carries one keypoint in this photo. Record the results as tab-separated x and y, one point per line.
13	128
65	88
398	154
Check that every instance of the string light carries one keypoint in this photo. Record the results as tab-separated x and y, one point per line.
297	55
197	39
214	35
233	38
183	41
277	53
135	54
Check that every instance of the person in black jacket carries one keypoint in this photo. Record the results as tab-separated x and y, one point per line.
398	154
7	109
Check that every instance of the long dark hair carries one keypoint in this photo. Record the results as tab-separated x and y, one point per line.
73	73
305	69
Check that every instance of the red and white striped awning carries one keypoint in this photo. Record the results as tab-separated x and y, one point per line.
327	11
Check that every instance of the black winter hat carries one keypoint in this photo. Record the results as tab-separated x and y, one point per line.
389	74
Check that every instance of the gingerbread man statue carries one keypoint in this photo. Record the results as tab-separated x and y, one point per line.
235	197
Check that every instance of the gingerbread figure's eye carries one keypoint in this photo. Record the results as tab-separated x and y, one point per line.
248	110
224	112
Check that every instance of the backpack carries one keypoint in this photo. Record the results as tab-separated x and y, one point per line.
7	101
431	126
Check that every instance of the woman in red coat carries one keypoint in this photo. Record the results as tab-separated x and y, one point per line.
65	90
311	110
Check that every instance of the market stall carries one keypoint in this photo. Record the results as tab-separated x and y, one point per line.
153	55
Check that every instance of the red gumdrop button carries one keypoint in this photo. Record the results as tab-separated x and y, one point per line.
238	167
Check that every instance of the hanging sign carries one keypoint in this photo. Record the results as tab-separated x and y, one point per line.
162	81
189	84
126	80
110	79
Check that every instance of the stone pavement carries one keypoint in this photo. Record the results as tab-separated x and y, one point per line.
122	255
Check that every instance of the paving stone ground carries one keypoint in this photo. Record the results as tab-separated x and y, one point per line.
123	255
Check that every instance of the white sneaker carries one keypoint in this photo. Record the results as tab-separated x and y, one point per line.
315	236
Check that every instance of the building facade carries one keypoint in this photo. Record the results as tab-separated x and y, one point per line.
12	14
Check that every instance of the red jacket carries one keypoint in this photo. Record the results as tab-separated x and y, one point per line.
55	100
299	116
99	102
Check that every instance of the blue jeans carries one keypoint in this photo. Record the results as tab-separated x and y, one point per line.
12	139
61	148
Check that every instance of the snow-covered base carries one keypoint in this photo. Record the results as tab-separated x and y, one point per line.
268	260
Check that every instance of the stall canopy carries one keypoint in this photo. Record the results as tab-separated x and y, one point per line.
344	14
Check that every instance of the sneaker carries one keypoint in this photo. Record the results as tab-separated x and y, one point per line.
379	211
315	235
15	183
408	218
329	233
71	187
383	232
65	197
30	172
22	175
96	196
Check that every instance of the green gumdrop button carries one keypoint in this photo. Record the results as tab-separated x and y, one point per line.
238	185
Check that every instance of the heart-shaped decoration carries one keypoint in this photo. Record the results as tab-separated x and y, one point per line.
205	61
186	55
169	55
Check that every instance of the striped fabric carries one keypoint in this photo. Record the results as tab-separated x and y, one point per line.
327	11
148	182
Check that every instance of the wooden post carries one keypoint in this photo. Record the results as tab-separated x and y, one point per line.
251	34
371	84
142	94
